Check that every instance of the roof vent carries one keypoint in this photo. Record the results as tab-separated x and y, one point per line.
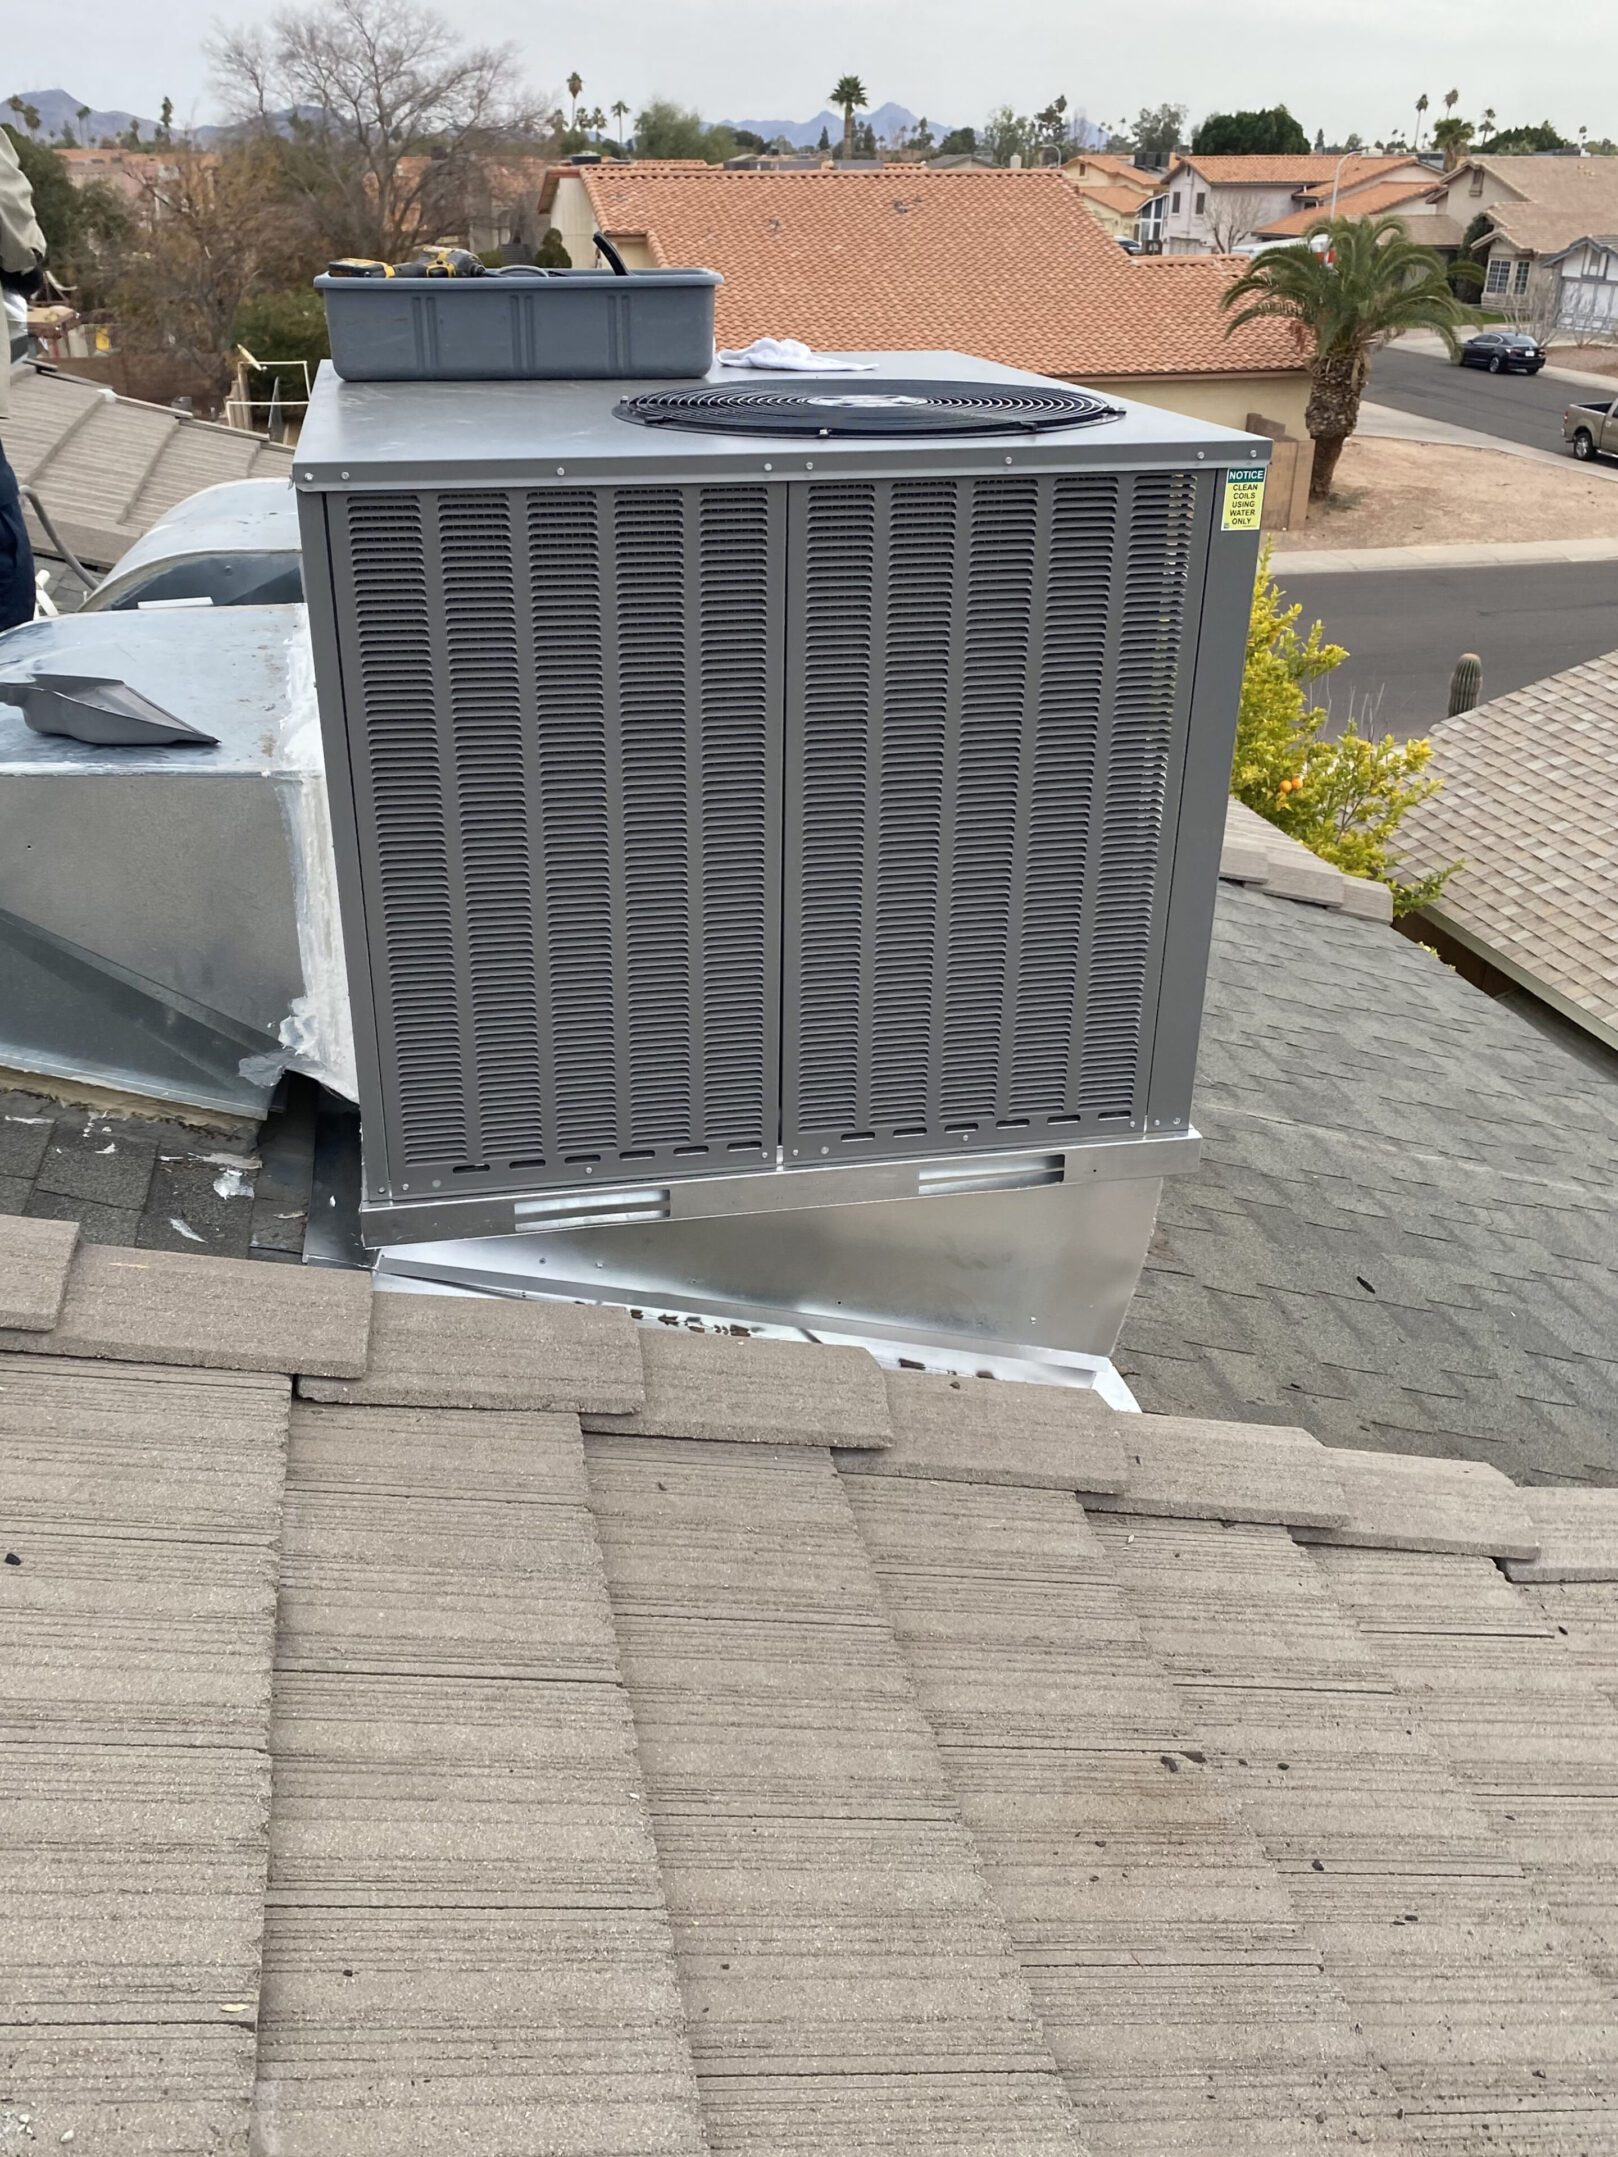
870	408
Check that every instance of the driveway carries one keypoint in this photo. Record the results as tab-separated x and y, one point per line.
1405	629
1513	407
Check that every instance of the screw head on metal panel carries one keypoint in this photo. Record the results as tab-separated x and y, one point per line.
438	1183
344	475
308	475
1201	453
1008	460
561	471
769	468
809	464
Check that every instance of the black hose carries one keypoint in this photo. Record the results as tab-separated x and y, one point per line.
56	539
614	260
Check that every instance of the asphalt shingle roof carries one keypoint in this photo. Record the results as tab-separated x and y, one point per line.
382	1779
1529	807
1007	265
1554	200
1403	1232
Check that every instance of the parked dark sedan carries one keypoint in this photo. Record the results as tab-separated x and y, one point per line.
1503	351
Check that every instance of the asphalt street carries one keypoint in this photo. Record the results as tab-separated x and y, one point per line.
1405	630
1516	407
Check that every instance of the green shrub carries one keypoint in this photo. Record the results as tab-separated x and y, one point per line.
286	327
1341	798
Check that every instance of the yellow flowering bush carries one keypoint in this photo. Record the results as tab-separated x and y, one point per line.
1341	798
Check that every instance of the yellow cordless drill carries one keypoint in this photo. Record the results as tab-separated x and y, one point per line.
439	260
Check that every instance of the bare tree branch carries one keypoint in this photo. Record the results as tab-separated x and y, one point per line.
1232	214
388	115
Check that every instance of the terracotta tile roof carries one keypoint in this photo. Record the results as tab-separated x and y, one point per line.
1117	169
1007	265
1369	201
1124	199
1290	171
556	173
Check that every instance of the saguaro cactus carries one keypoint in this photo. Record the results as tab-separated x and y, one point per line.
1466	684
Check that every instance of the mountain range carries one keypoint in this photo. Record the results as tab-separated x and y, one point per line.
804	134
59	111
887	121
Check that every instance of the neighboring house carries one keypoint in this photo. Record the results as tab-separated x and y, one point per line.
1008	265
1407	198
1403	1230
1537	209
139	176
1529	806
1587	278
1215	205
1114	189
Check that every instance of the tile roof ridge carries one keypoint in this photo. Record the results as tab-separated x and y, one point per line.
1256	853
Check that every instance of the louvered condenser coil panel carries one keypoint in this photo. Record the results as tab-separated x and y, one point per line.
988	683
564	744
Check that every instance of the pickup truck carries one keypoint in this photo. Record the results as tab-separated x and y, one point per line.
1592	428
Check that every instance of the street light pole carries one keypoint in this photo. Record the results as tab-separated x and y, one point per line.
1336	176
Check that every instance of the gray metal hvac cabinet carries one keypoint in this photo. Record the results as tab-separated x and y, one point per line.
720	817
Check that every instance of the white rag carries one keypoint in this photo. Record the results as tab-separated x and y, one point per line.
786	355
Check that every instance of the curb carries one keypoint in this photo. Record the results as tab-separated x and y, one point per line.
1391	423
1336	561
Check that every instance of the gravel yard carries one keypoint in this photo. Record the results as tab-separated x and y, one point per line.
1419	494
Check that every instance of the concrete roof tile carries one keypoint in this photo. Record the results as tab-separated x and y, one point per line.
1578	1535
34	1260
977	1430
1184	1468
713	1386
493	1352
1399	1501
216	1313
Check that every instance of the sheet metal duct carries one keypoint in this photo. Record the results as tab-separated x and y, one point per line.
166	920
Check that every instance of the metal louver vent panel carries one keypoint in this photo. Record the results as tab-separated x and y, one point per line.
564	738
988	687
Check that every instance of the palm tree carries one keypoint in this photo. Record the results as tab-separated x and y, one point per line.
1454	138
1451	99
575	83
1421	107
849	97
1486	126
620	112
1349	285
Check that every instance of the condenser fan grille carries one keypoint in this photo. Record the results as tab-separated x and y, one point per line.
857	406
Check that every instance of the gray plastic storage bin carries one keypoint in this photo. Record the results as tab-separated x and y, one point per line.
553	325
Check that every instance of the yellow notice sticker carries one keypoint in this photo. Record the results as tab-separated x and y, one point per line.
1244	498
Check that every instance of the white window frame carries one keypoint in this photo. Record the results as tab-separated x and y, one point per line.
1519	276
1497	277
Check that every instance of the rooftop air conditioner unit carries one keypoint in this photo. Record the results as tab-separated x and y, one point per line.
766	792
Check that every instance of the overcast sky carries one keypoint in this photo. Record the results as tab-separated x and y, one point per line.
1358	66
